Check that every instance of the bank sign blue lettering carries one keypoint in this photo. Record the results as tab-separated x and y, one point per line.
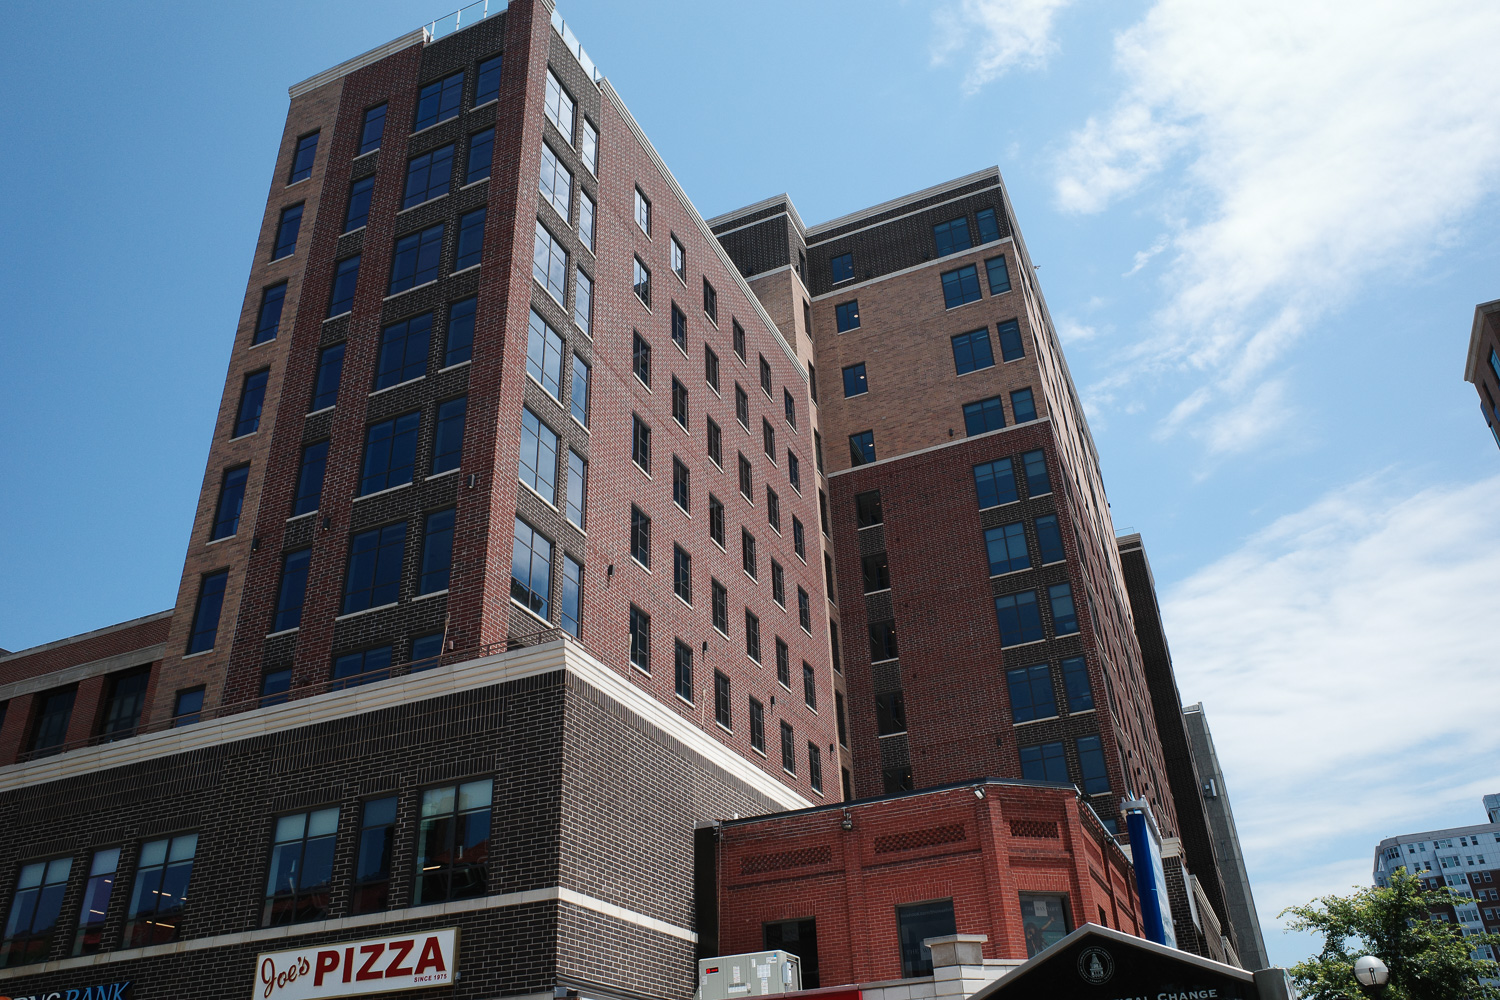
111	991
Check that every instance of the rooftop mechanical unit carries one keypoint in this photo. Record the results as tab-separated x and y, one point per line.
757	974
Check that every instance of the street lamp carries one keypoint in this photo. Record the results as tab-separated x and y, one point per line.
1371	971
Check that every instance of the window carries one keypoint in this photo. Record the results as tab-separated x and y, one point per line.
1022	405
428	176
1044	919
793	470
358	212
738	338
838	711
682	574
437	102
711	367
757	726
861	448
640	536
640	444
765	376
747	485
374	575
877	572
951	236
971	351
823	510
679	403
268	320
1011	347
580	400
640	639
578	477
1007	549
538	465
231	500
1091	765
586	219
842	267
252	397
556	183
788	749
549	264
855	382
989	229
162	875
188	708
416	259
812	379
544	353
372	872
1044	762
809	687
783	663
471	244
715	442
346	276
437	552
274	686
679	327
1049	539
818	449
1076	683
684	664
293	590
488	86
390	453
1019	617
716	519
799	538
589	147
681	483
720	605
642	283
882	641
374	129
403	351
453	842
778	583
643	211
330	370
679	259
286	232
88	938
530	569
1031	693
846	315
34	911
205	619
961	286
747	552
298	887
768	438
789	407
815	767
448	445
721	701
710	302
1037	482
481	153
742	406
995	482
890	713
985	415
918	922
1064	619
572	595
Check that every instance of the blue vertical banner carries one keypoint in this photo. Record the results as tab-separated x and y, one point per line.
1150	877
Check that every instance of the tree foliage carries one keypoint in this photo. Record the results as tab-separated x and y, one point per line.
1429	960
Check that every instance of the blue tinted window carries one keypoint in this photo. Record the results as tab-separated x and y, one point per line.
1019	617
989	229
206	615
1044	762
985	415
369	138
354	669
998	274
293	590
439	101
231	499
188	708
847	315
1031	693
416	259
538	467
549	265
274	686
487	88
330	369
390	453
374	575
1076	681
252	397
855	382
862	447
302	162
842	267
572	595
481	152
951	236
403	351
1091	765
961	286
310	478
1007	549
578	482
1011	347
286	232
345	277
1022	405
1495	362
437	552
428	176
448	446
531	569
580	402
1037	482
995	482
359	203
460	346
1064	618
470	240
268	323
544	349
971	351
1049	539
423	647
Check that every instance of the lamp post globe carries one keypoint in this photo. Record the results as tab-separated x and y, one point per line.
1371	971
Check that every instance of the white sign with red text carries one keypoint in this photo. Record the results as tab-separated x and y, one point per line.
377	965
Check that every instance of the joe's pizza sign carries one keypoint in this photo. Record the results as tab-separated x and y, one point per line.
377	965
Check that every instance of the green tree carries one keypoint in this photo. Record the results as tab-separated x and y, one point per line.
1429	960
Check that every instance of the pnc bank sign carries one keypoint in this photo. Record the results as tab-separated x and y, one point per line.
376	965
111	991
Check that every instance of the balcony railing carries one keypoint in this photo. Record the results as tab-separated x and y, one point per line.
463	18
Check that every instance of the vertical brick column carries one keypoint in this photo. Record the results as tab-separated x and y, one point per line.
17	716
86	704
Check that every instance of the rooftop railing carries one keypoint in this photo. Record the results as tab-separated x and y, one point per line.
463	18
574	46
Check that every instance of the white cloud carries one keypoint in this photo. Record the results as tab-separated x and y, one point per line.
1341	655
1309	146
1004	33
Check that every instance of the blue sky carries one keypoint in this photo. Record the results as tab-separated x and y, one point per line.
1261	230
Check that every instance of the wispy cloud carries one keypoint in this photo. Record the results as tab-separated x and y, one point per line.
1309	146
1338	654
997	34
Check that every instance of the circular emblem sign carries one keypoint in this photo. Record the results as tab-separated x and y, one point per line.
1095	966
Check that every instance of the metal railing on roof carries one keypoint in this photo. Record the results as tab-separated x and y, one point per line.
462	18
574	46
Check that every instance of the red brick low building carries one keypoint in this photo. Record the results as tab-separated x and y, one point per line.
853	888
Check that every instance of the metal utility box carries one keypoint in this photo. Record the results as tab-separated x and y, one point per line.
757	974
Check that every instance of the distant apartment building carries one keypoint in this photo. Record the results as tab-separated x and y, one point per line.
1482	366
